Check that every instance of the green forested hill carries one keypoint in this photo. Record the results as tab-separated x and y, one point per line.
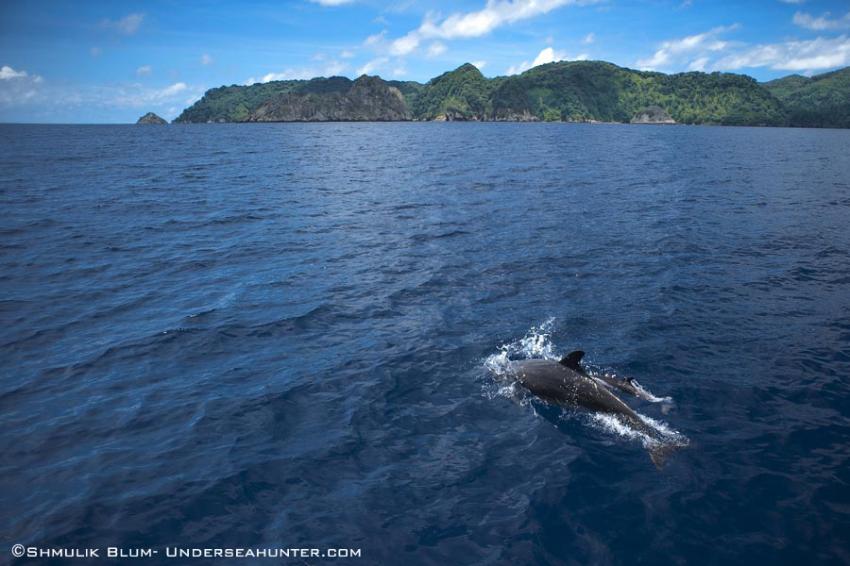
570	91
595	90
462	94
236	103
819	101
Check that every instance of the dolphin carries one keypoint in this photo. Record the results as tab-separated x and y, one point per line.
626	384
566	383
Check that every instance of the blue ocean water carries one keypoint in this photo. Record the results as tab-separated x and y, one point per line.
285	335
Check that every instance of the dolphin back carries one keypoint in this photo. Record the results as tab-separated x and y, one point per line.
557	383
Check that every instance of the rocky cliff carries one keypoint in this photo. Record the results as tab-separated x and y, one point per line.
368	99
652	115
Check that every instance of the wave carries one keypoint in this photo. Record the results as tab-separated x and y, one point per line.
666	435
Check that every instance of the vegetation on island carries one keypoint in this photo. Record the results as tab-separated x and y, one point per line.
338	99
599	91
236	103
462	94
573	91
822	101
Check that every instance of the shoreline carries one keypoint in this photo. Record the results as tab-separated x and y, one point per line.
530	122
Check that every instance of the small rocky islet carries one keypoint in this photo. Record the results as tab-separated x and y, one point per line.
151	119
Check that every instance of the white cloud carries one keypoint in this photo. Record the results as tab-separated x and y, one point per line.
698	64
479	64
807	55
436	48
127	96
13	93
331	2
708	52
288	74
371	66
547	55
206	59
824	22
18	87
376	38
144	70
330	69
31	91
517	69
7	73
589	38
139	96
346	54
172	90
495	14
674	51
404	45
128	25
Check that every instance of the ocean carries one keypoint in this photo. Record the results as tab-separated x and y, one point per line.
293	335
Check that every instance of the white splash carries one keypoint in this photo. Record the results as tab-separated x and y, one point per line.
613	425
537	344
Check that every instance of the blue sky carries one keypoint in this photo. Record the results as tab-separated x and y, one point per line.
112	61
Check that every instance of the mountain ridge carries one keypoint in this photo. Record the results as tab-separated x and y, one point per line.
567	91
819	101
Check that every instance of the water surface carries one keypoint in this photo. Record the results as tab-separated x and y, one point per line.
265	335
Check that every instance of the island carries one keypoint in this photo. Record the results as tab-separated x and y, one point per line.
564	91
151	118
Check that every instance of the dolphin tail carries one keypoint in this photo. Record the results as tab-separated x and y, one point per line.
659	453
659	449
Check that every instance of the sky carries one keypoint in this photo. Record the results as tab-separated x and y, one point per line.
112	61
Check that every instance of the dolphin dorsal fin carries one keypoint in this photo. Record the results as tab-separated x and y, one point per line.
572	360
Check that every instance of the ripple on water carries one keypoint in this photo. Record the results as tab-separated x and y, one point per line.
246	345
